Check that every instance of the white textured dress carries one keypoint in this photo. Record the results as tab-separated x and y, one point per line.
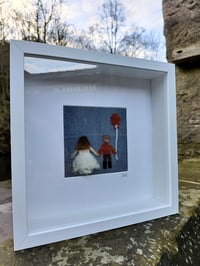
85	163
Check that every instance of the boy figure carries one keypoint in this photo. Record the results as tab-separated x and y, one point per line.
106	149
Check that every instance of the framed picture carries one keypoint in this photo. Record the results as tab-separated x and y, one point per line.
93	142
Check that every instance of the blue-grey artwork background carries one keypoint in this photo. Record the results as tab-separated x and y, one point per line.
94	122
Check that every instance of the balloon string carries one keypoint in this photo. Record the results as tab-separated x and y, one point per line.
116	141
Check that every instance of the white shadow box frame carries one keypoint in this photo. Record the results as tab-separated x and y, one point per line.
47	206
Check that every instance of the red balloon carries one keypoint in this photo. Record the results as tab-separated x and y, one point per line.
115	119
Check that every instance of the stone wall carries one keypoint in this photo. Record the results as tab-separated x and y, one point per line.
4	100
182	32
188	110
181	29
4	112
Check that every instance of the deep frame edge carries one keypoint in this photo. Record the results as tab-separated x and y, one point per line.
63	52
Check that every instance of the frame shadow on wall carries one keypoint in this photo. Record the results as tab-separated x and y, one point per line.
94	122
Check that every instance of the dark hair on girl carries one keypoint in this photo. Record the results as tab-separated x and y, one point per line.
83	143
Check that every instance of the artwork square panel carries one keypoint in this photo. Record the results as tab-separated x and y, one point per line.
95	140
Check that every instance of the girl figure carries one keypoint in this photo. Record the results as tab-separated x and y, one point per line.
84	163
